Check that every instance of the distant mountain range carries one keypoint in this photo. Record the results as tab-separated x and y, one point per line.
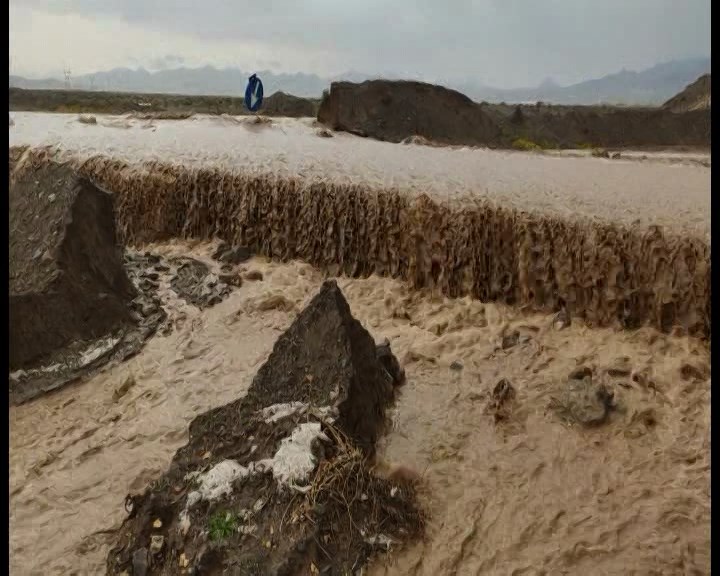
652	86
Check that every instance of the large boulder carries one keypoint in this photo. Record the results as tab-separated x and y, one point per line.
67	281
395	110
279	481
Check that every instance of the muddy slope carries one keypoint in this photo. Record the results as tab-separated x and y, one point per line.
277	482
67	280
396	110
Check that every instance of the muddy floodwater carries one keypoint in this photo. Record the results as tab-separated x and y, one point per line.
672	190
525	493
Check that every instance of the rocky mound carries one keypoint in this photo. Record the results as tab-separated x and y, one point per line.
67	281
281	104
279	482
695	96
394	110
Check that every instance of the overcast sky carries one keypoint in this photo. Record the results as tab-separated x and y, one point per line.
503	43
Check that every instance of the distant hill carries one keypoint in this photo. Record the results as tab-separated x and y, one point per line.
653	86
696	96
189	81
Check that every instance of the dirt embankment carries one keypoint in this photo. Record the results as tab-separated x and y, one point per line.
398	110
695	96
67	280
156	105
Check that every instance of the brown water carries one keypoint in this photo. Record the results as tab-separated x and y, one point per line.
675	194
529	495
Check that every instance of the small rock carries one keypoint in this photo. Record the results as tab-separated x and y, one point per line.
87	119
616	156
140	562
600	153
510	340
587	403
157	524
37	253
51	198
231	279
235	255
147	285
692	372
157	541
253	275
456	365
580	373
324	133
148	309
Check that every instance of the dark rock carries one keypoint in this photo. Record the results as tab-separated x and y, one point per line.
390	363
600	153
501	400
253	275
161	268
510	340
586	402
456	365
147	285
194	283
326	359
580	373
693	372
328	345
231	279
232	255
140	562
54	301
394	110
236	255
151	276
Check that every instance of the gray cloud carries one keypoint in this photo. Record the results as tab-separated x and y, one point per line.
500	42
